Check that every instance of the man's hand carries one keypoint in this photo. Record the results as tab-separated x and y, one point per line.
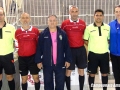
67	64
39	65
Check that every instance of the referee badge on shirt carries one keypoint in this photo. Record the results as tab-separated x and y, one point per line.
8	31
60	36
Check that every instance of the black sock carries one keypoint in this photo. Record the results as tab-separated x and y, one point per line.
24	86
91	81
37	86
67	79
0	84
11	84
81	82
104	81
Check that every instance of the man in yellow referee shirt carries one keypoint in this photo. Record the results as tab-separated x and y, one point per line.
6	50
96	36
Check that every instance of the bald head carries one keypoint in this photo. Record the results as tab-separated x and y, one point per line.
73	7
25	19
25	14
74	12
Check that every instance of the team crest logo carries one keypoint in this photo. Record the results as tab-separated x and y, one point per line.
60	36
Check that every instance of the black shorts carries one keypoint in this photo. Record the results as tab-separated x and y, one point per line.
7	63
95	60
79	57
27	64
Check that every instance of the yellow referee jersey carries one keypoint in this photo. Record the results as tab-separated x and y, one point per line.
7	39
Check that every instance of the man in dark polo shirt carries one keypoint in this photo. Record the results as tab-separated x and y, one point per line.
74	28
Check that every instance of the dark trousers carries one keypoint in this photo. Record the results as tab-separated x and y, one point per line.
58	72
116	68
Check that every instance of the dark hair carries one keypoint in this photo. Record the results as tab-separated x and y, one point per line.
52	15
116	7
99	10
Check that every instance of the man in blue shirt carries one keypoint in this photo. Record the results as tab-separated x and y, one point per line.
115	45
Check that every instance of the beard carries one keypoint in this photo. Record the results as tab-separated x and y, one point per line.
98	21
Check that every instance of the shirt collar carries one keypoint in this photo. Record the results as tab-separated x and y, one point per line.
116	21
30	29
117	24
73	21
4	25
96	25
